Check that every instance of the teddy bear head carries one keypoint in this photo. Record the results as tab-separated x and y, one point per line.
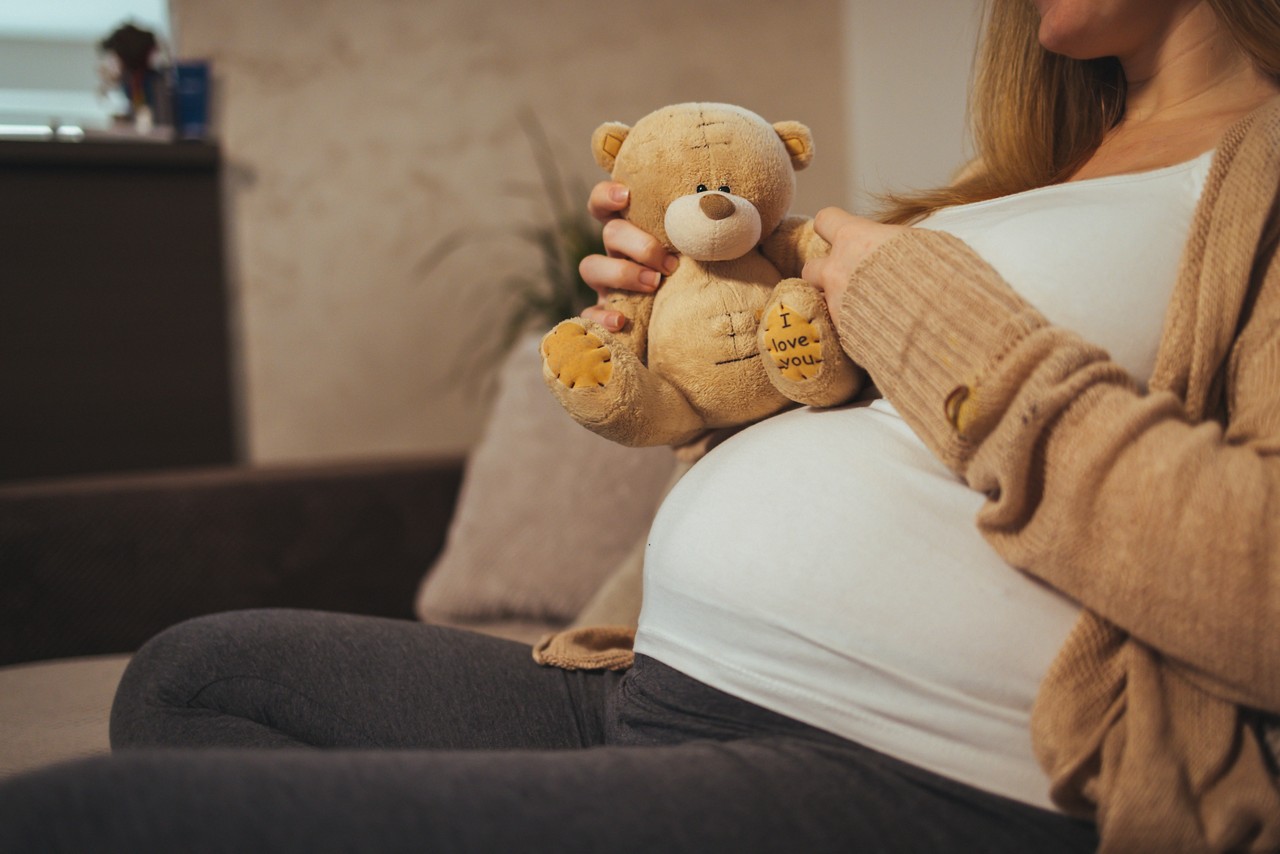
710	181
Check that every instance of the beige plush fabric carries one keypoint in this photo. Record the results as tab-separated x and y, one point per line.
57	710
547	512
688	358
1159	512
587	648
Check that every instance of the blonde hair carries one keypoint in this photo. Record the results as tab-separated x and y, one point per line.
1255	26
1036	117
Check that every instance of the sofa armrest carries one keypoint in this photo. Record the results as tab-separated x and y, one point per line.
99	565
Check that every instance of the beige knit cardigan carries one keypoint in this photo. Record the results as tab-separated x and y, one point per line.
1158	511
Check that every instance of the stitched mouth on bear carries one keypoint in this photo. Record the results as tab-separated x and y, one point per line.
739	359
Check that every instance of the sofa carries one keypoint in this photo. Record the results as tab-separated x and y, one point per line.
539	527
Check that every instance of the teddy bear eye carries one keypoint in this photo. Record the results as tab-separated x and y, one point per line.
725	189
702	188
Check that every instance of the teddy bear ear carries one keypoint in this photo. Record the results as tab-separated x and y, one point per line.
799	142
607	141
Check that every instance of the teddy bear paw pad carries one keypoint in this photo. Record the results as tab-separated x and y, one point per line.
793	342
577	357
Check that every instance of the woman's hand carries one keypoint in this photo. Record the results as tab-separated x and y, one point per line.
852	239
635	260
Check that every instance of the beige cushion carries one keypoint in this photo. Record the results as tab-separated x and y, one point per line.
56	710
547	509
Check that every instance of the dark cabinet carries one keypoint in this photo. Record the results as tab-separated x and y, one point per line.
114	334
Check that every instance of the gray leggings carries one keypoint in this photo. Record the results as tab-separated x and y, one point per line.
434	739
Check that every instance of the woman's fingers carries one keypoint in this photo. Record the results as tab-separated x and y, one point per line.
634	260
853	239
607	200
817	272
624	240
828	222
603	273
606	317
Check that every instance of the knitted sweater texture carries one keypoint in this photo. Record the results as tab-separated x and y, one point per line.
1159	511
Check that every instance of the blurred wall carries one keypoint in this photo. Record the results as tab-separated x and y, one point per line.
358	132
907	66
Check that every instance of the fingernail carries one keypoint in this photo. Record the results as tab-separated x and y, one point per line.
650	278
619	194
670	264
615	322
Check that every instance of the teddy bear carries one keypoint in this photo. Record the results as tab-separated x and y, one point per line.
732	336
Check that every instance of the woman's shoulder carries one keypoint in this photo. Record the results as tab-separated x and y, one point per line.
1271	105
1264	121
1251	145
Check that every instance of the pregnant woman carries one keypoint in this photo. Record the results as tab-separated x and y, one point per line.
1033	603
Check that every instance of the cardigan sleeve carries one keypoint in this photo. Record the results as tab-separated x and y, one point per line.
1169	529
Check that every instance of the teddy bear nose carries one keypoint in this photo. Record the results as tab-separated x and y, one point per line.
716	206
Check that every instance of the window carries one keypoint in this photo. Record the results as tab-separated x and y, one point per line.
49	62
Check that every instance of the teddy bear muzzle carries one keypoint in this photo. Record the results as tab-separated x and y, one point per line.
713	226
716	206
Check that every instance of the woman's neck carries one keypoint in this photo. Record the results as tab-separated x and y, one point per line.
1183	91
1193	71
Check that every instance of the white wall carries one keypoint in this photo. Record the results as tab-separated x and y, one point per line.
907	67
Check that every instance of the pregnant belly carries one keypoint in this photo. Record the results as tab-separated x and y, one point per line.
838	535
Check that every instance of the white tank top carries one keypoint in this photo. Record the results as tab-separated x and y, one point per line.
823	564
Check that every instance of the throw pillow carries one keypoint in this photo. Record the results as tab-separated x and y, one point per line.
547	510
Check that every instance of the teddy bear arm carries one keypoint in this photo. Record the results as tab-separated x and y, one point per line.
793	243
801	350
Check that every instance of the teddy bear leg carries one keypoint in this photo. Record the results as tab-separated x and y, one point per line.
801	351
606	388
